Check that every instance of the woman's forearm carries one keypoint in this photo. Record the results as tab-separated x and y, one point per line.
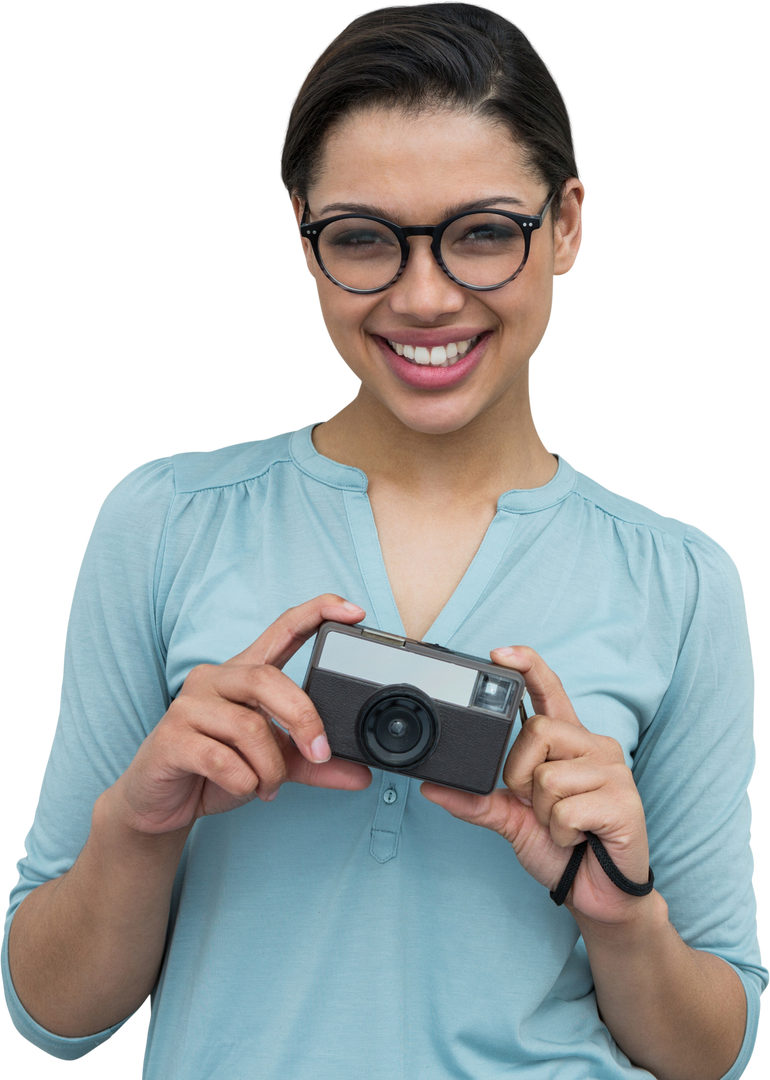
85	949
678	1012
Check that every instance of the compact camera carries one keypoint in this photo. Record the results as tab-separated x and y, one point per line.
413	708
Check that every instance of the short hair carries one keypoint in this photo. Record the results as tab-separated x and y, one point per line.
427	56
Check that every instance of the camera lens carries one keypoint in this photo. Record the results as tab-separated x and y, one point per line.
397	729
397	726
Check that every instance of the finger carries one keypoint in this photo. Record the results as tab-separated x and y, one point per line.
557	780
291	630
276	695
545	690
247	732
619	826
199	755
460	804
542	739
335	773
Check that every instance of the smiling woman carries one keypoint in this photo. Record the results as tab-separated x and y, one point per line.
391	130
428	427
364	924
431	163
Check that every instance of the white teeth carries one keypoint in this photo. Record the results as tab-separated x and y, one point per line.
438	355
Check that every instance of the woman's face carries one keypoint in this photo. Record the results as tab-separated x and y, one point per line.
419	170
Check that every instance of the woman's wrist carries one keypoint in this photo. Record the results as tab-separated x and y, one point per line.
636	920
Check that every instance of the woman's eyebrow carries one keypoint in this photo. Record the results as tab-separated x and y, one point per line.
458	208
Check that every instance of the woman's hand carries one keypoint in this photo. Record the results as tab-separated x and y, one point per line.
217	748
561	780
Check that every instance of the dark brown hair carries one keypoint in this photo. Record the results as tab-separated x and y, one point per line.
431	55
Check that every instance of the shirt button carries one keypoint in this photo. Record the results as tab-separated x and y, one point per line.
389	796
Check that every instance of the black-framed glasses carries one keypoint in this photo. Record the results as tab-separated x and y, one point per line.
479	249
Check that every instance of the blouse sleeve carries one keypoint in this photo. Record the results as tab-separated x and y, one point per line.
692	767
114	692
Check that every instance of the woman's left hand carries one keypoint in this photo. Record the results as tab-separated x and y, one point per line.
561	780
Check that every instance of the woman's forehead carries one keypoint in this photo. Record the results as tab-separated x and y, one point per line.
396	122
425	162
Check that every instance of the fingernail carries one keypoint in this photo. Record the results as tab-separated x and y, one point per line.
506	650
319	749
352	607
271	797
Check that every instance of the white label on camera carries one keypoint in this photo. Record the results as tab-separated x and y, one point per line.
364	659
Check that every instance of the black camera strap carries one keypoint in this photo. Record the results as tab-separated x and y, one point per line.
559	894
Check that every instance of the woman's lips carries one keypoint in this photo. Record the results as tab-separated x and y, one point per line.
427	377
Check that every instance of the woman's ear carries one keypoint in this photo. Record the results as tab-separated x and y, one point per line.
298	206
567	230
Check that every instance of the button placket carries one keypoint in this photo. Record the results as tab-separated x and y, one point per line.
386	827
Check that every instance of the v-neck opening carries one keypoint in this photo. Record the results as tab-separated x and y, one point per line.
366	541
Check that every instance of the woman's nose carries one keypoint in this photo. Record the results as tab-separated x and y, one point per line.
424	291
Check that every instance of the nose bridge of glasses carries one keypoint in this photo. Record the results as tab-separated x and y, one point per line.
431	249
420	251
419	230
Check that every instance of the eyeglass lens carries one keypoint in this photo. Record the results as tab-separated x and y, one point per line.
480	249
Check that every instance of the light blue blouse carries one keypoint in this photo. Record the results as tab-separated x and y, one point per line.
336	934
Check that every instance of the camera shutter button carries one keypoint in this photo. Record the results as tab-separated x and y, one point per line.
389	796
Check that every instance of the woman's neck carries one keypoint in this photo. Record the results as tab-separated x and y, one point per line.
499	450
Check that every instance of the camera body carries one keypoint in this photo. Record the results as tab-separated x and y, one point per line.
412	708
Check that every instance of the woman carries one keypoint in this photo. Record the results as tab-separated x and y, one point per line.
366	923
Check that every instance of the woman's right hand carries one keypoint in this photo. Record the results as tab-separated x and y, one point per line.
216	748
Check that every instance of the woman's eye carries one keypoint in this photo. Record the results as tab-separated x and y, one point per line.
487	234
359	238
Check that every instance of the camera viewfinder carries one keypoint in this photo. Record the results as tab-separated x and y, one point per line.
492	692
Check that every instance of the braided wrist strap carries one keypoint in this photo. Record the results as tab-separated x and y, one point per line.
559	894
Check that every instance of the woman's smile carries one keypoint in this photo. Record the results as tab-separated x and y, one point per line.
433	367
430	350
